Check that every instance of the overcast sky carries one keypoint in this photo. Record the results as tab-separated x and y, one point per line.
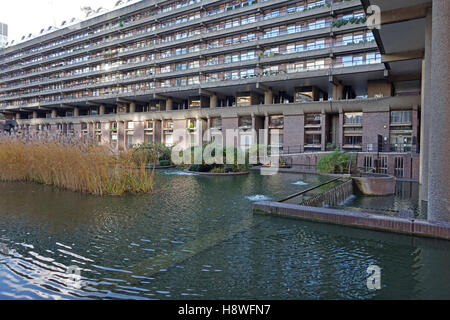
30	16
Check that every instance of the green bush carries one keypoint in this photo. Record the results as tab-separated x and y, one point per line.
336	162
201	168
218	170
164	163
152	152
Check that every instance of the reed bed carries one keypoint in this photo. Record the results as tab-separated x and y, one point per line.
73	164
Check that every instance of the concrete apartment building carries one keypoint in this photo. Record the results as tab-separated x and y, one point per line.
308	70
3	35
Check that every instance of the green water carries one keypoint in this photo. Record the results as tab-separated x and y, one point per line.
196	238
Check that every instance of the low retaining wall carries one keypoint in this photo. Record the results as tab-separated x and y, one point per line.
355	219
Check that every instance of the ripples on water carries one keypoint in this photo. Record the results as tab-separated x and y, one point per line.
195	238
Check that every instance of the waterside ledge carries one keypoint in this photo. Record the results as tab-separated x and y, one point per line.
422	228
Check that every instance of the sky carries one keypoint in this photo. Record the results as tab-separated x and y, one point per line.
30	16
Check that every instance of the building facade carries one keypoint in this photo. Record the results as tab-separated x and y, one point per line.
3	34
309	72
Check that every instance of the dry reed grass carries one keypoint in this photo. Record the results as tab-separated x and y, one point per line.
72	164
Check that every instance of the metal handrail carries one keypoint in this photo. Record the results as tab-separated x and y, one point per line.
308	190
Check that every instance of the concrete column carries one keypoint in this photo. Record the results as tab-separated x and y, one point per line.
106	133
54	113
324	131
17	116
208	131
35	115
157	131
76	112
213	101
139	132
121	136
132	107
337	91
341	130
199	132
101	110
425	110
169	104
439	146
266	131
268	97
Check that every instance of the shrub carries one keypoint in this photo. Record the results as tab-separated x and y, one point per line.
218	170
164	163
336	162
152	153
200	168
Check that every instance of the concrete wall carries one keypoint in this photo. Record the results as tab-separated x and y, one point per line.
379	87
294	131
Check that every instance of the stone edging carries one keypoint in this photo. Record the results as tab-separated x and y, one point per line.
413	227
218	174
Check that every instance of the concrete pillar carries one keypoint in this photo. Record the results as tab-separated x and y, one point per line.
439	148
268	97
132	107
213	101
169	104
101	110
106	133
337	91
340	140
54	114
324	131
17	116
200	131
121	136
139	135
76	112
425	110
266	131
35	114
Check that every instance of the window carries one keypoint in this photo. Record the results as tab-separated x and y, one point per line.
368	164
353	140
130	141
383	168
313	120
246	141
399	170
401	116
353	118
313	139
149	125
276	138
347	61
216	123
276	122
169	140
245	122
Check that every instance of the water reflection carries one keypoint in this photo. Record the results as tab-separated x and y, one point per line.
195	238
406	197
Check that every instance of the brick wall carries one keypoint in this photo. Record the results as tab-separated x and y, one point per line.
375	124
294	133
